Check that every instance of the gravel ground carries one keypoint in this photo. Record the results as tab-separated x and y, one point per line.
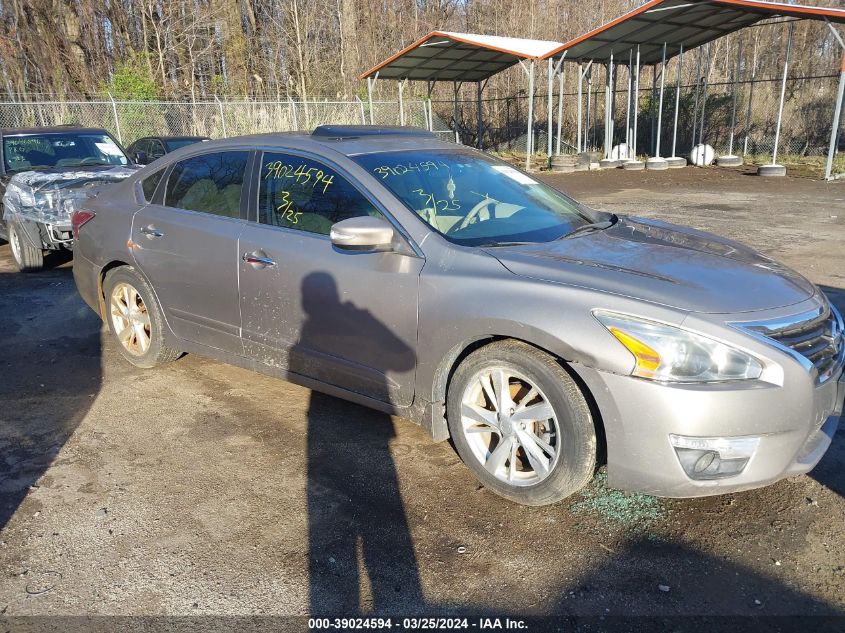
199	488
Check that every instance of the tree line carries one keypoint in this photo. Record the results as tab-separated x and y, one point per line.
298	49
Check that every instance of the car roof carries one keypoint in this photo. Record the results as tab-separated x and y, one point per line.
350	141
55	129
175	137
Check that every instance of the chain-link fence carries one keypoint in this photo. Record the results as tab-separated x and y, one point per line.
130	120
805	131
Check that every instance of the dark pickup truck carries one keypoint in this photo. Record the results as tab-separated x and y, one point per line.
43	172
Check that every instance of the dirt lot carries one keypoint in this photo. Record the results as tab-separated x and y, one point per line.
199	488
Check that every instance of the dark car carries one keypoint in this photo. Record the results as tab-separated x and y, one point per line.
146	150
439	283
43	171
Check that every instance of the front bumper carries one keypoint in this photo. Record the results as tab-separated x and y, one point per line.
795	421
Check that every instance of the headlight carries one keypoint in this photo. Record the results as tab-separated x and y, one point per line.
670	354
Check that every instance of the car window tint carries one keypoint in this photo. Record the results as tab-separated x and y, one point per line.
149	184
210	183
300	193
156	149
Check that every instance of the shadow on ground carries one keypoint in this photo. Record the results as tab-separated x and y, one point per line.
50	368
363	558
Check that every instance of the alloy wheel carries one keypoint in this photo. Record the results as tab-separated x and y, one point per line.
130	319
15	243
510	426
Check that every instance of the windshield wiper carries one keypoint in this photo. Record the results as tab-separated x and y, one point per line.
494	244
589	228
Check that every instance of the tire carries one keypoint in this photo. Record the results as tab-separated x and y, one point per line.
142	319
27	258
568	431
771	170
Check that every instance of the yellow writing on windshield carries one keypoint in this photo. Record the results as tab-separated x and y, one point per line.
400	169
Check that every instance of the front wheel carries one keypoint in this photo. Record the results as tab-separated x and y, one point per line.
521	424
27	258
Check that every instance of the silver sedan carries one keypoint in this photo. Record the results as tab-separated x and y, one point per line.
438	283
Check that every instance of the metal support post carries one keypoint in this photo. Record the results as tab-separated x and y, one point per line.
704	92
479	88
589	113
660	105
371	84
293	114
697	93
734	91
608	110
750	100
636	102
837	112
402	102
628	130
561	82
361	108
529	141
651	109
456	86
783	91
677	103
549	100
117	119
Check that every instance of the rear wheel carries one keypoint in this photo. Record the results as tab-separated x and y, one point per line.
27	258
135	319
521	424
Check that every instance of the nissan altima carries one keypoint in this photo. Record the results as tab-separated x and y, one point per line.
440	284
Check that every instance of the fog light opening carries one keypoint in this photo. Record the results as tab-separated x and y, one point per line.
705	461
713	457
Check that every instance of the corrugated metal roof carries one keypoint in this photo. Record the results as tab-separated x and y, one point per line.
690	23
447	56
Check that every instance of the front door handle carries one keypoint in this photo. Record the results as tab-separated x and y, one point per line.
258	260
152	232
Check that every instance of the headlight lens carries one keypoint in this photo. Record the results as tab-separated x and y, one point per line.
670	354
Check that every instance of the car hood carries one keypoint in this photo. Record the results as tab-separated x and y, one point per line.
662	263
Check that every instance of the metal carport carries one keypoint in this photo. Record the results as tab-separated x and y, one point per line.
661	29
459	58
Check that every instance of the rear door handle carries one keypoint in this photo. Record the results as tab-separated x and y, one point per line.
258	260
151	232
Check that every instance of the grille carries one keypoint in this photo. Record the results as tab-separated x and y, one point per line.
818	339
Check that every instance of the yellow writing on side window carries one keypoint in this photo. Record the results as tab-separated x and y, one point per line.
302	174
287	211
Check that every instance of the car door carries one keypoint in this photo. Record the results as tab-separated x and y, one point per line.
186	243
348	319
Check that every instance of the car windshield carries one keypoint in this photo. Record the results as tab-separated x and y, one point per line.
475	200
34	151
176	143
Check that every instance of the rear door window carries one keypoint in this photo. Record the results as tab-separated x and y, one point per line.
300	193
210	183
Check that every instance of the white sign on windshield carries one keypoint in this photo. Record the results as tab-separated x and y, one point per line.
109	148
514	174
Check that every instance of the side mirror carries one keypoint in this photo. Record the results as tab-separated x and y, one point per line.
365	233
141	158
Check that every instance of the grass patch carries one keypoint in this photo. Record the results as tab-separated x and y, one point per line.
618	509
